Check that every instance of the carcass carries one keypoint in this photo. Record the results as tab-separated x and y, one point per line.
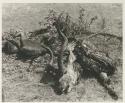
31	48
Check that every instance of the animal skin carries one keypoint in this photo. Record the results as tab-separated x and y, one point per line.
69	75
101	66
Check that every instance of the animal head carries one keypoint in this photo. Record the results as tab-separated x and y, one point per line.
64	83
77	49
81	48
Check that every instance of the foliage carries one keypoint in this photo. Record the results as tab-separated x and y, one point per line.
68	26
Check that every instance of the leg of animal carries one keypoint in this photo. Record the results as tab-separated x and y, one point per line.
105	82
110	90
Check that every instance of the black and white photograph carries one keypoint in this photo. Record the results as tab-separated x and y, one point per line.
62	52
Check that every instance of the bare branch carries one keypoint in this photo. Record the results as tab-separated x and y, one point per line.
92	34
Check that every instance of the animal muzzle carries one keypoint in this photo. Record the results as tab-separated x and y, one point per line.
63	88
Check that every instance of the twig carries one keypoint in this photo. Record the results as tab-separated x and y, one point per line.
92	34
111	35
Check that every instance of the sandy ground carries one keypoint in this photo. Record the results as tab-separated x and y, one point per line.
19	85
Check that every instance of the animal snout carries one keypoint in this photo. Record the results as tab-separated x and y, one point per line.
63	87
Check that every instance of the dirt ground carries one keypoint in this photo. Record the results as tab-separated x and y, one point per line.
19	85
